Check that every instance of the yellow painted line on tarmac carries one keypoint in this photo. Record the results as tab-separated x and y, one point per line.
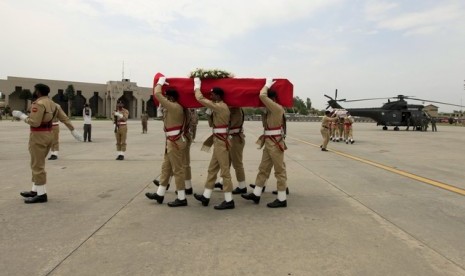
432	182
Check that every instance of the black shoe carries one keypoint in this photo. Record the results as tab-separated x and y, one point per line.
189	191
321	146
251	196
28	194
36	199
157	183
287	191
239	191
90	141
120	157
352	141
202	199
225	205
156	197
277	204
177	203
219	185
253	187
323	149
53	157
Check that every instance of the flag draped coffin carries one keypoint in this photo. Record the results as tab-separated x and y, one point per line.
238	92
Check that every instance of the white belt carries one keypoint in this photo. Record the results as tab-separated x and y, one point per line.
220	130
273	132
55	124
235	130
173	132
122	123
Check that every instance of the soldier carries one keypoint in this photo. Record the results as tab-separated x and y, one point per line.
274	146
194	122
87	116
174	124
236	134
40	141
120	117
60	117
433	124
221	146
348	135
144	119
325	125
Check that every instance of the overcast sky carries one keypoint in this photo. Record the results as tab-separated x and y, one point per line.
364	48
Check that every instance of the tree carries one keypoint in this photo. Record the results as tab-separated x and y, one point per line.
70	94
25	95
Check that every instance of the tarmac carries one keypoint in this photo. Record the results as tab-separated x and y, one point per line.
392	203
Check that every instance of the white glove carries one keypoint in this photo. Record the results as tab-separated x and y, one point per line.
162	81
119	115
77	135
208	111
197	83
19	114
269	82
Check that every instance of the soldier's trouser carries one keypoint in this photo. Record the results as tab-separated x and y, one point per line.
144	126
40	143
325	133
87	132
187	161
219	162
56	138
272	156
193	131
235	153
347	133
120	135
341	131
173	164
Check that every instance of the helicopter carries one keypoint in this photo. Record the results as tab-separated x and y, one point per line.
393	113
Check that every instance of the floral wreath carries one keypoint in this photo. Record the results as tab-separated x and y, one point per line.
210	74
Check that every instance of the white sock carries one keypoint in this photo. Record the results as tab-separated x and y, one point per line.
122	153
220	180
207	193
257	190
40	189
281	195
228	196
188	184
34	187
118	153
181	194
241	184
55	153
161	190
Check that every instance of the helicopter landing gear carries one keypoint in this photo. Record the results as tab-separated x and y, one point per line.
396	128
384	127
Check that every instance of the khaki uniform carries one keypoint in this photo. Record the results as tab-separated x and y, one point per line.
348	121
194	121
144	119
41	137
325	129
273	142
219	139
236	132
174	121
60	117
121	129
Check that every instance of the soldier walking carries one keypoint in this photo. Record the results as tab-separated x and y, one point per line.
60	117
120	118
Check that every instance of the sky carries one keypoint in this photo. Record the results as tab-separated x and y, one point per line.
363	48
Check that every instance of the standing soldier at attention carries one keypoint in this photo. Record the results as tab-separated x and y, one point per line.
174	121
120	118
144	119
60	117
274	146
87	116
325	128
40	140
219	141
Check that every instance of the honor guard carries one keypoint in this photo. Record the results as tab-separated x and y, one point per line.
120	118
60	117
273	144
326	123
87	116
144	118
43	111
348	135
221	146
174	122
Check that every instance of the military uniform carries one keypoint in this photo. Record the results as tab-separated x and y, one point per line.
174	121
144	119
121	131
194	121
325	130
348	135
60	117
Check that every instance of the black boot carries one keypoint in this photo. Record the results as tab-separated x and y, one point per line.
251	196
239	191
188	191
219	185
225	205
287	191
202	199
120	157
28	194
177	203
277	204
53	157
156	197
253	187
36	199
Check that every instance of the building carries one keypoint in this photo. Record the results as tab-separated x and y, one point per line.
102	98
432	110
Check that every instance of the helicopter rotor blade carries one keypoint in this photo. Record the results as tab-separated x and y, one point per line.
368	99
422	100
335	95
328	97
